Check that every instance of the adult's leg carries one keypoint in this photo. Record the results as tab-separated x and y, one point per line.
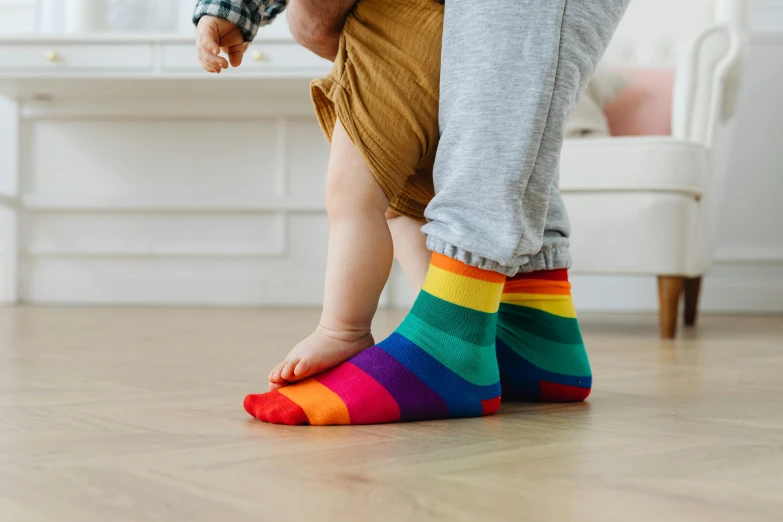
512	72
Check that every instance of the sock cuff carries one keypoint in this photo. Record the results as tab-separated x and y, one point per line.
460	268
536	288
533	286
462	285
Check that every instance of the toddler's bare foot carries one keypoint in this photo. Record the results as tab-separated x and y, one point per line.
320	351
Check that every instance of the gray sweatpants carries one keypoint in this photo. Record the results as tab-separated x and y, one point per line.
511	73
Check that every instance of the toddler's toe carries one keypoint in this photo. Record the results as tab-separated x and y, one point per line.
288	370
276	385
302	369
275	375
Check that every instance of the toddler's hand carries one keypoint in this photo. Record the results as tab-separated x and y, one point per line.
214	33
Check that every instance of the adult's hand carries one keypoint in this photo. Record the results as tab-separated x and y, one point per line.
317	24
214	34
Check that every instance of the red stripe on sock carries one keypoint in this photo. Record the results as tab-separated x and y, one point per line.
560	274
457	267
537	286
276	408
553	392
490	406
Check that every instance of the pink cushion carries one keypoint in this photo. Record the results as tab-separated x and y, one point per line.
644	108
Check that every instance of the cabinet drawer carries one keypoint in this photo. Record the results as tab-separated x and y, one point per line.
66	56
270	57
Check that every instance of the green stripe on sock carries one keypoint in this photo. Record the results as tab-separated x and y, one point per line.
564	330
469	325
566	359
481	368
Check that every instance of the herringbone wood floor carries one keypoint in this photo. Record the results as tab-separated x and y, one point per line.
135	414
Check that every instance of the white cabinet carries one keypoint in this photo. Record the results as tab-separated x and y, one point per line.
130	175
262	57
58	55
109	56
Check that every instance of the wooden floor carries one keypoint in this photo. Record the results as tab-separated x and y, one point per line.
118	415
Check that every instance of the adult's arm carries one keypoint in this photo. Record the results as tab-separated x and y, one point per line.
317	24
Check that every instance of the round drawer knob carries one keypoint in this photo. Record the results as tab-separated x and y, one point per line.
259	55
52	56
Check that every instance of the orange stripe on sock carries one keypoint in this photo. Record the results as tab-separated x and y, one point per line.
537	286
320	404
458	267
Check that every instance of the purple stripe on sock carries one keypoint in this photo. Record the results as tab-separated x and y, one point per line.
415	399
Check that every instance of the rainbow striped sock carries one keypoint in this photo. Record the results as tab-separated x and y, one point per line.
439	363
539	343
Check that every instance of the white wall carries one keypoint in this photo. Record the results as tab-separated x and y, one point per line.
17	16
767	15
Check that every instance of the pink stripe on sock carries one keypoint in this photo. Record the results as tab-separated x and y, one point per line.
368	402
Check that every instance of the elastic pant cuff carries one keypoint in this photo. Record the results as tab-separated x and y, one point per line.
554	258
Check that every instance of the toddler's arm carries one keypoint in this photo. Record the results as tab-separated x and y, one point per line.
315	24
231	26
247	15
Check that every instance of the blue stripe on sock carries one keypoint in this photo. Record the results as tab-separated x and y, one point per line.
523	375
464	398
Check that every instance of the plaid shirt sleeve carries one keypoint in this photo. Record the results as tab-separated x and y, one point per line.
248	15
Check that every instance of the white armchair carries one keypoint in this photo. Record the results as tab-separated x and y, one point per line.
648	205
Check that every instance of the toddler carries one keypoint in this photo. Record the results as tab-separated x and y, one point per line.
379	109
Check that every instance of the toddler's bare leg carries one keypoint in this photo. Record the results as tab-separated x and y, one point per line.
410	248
358	265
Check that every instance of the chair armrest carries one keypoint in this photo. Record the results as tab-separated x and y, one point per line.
705	90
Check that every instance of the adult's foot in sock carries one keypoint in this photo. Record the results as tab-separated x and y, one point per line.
539	344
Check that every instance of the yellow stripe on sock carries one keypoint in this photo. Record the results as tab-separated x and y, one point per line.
463	291
553	304
320	404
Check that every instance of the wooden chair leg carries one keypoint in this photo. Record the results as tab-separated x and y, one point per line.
692	289
669	290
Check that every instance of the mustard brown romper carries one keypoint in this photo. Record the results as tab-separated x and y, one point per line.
384	88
